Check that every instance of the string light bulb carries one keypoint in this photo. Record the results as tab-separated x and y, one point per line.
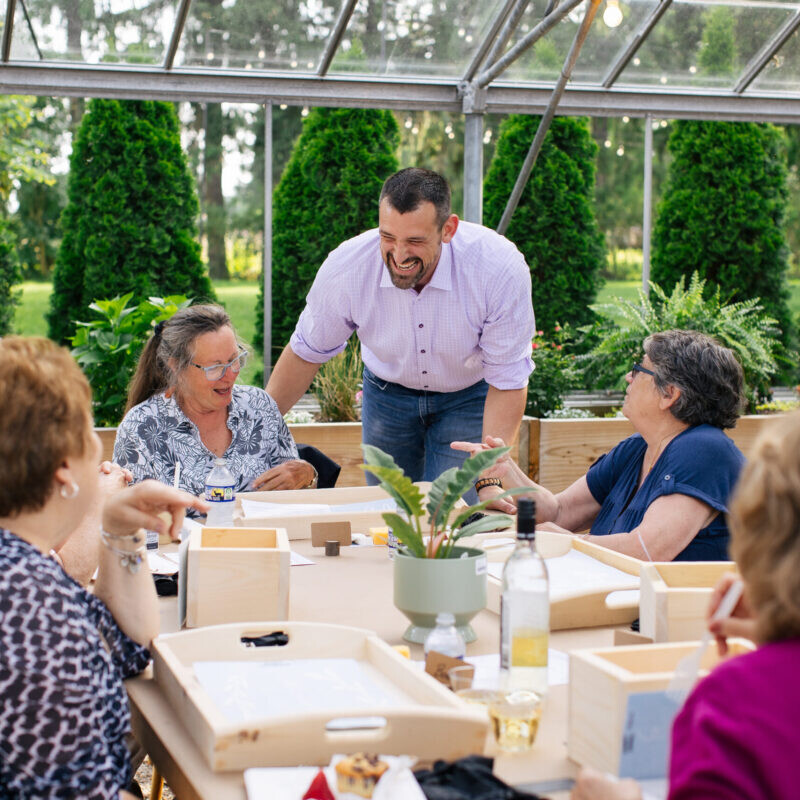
612	16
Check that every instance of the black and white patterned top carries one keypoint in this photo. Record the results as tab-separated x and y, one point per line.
63	707
156	435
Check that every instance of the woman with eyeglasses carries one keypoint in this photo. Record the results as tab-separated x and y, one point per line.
661	494
184	408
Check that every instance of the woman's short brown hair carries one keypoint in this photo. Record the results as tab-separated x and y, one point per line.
765	529
46	418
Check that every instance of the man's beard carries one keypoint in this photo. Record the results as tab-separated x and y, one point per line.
406	280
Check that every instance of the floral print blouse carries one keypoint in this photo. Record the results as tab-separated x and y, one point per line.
156	435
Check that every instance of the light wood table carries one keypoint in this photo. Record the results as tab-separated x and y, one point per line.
354	588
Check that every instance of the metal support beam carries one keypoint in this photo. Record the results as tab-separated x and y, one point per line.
647	205
336	37
177	32
635	43
480	53
550	21
547	117
473	167
267	277
767	53
213	85
508	29
8	29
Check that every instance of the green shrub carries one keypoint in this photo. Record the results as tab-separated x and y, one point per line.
554	225
108	348
722	214
741	326
337	385
130	220
10	275
328	193
554	375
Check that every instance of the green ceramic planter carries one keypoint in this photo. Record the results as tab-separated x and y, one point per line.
425	586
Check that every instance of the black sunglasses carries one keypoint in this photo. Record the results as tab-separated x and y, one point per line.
639	368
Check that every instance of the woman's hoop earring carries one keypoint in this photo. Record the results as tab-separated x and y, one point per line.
71	491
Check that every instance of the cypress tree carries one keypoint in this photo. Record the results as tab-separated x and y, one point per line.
722	213
130	220
328	193
554	225
9	276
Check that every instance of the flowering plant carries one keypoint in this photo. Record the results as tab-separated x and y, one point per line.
554	374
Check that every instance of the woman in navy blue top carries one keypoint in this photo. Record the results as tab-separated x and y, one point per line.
661	494
64	652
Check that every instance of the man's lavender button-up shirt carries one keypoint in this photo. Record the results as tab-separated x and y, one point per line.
473	320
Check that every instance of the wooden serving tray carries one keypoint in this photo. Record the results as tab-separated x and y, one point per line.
577	606
675	597
429	722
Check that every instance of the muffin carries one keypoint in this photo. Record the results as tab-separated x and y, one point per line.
359	773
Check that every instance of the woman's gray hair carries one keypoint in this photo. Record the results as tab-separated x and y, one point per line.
170	350
709	377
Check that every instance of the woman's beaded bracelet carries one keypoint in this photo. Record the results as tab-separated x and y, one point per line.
128	559
482	483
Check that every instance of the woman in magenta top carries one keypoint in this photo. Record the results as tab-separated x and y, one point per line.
738	735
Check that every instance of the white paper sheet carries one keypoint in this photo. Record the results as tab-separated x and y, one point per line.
576	570
245	691
255	509
384	504
162	563
300	561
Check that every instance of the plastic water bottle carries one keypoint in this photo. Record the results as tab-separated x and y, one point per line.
220	495
445	638
525	609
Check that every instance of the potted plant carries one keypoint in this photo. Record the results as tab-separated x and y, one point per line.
432	573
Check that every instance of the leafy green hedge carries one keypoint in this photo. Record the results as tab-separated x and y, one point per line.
722	214
130	220
9	276
554	225
328	193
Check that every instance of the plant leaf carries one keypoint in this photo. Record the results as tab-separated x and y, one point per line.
393	480
405	533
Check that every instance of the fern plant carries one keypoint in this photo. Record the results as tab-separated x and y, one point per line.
742	326
444	493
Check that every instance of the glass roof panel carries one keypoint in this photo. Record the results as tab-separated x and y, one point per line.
702	43
414	37
543	61
782	73
110	31
257	34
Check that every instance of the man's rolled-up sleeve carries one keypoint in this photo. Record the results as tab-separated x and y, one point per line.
324	326
508	330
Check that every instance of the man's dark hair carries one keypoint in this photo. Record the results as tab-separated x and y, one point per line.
405	190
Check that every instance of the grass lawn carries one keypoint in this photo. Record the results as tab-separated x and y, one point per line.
239	299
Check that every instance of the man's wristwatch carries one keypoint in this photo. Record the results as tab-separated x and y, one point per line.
314	480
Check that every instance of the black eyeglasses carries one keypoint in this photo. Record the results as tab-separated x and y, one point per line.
639	368
216	371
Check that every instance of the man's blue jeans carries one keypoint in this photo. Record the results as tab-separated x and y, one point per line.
416	427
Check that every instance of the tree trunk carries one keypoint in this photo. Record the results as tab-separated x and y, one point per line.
214	201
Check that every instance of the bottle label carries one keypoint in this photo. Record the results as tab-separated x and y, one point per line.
219	494
391	541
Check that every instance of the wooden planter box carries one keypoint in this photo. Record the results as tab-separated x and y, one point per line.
675	597
602	680
422	717
577	606
237	575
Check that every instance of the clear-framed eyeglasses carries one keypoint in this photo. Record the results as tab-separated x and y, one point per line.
216	371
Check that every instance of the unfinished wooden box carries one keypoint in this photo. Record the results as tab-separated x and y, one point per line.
574	605
602	680
299	527
675	596
427	720
237	575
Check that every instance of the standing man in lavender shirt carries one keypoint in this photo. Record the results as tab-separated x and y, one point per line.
444	314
